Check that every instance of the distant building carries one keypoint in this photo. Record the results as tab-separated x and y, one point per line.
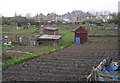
52	17
104	18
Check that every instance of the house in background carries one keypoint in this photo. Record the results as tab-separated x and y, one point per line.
104	18
50	36
81	35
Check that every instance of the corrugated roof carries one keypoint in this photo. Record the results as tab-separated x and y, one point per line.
50	28
50	37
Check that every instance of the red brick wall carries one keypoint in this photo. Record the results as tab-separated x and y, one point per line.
50	32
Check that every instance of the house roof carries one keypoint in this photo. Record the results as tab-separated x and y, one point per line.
50	37
50	28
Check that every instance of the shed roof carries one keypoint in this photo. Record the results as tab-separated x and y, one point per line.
51	28
50	37
82	29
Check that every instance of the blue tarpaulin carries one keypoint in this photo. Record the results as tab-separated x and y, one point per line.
115	79
112	69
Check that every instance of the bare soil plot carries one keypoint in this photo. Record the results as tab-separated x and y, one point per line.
18	51
28	48
71	64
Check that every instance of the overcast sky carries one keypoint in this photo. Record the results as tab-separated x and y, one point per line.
9	7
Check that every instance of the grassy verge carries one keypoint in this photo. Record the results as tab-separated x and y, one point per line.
104	41
103	35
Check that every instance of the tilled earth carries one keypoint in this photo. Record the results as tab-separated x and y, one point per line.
70	64
20	51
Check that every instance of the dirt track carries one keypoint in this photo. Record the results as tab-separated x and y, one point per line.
71	64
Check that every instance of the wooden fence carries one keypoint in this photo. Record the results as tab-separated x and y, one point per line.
99	74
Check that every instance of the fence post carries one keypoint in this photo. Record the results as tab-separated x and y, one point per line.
108	62
94	75
89	78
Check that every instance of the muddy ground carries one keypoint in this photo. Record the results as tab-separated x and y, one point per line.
70	64
18	51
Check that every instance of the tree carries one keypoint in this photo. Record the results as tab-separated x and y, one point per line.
20	20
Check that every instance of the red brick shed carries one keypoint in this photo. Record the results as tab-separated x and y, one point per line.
81	35
50	31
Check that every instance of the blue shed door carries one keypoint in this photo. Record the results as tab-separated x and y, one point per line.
77	40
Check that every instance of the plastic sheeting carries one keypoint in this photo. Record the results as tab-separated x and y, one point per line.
112	69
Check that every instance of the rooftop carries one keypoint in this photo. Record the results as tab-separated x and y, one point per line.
50	37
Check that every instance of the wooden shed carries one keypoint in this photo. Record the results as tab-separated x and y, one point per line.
50	36
49	39
81	35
